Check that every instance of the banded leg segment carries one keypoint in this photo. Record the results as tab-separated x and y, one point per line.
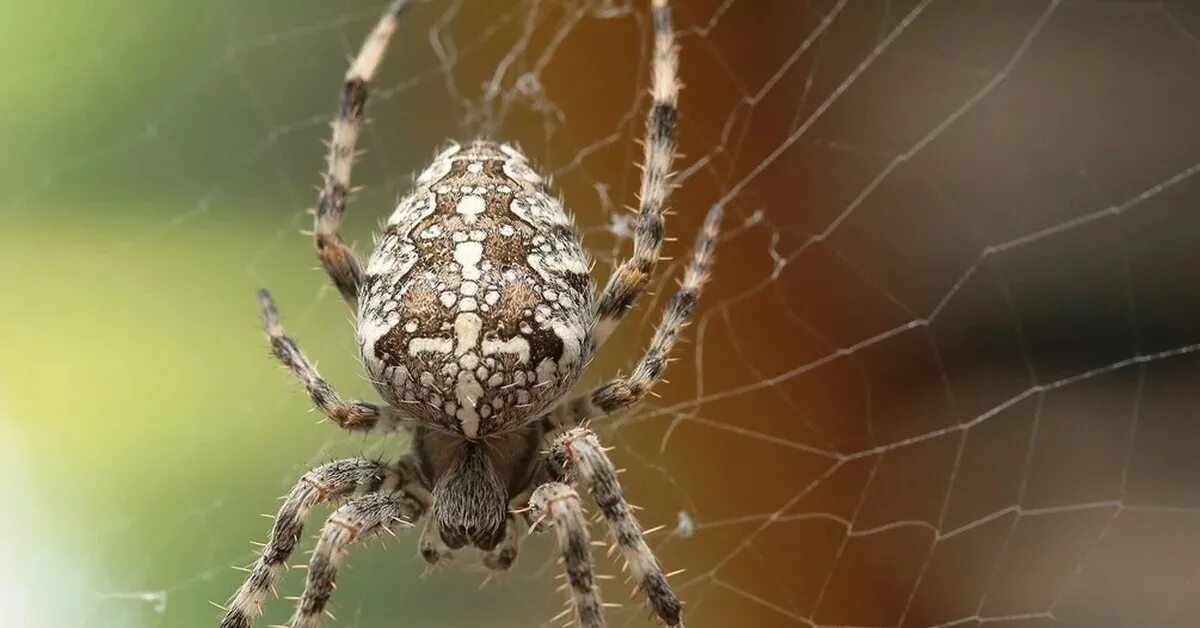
337	258
622	392
578	453
357	520
328	482
351	415
556	505
629	279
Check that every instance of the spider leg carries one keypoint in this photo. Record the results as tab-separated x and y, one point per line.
629	279
337	258
556	504
622	392
328	482
350	415
358	519
581	459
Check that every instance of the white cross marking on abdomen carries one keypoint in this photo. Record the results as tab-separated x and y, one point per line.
467	389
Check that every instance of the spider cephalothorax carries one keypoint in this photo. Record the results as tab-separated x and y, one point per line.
475	318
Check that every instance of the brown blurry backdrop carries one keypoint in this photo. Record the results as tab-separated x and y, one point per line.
945	373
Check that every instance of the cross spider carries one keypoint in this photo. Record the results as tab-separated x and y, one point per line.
475	317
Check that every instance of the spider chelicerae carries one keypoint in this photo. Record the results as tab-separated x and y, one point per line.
475	318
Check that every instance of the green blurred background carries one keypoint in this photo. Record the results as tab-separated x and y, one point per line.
945	373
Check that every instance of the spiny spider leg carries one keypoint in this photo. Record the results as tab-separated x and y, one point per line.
357	520
622	392
629	279
556	504
329	482
580	457
337	258
350	415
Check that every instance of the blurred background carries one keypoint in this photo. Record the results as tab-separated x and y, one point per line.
946	374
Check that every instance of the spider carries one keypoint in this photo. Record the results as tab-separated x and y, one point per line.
476	316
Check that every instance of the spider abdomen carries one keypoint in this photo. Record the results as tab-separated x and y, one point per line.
474	313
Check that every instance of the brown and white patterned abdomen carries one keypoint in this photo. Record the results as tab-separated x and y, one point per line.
476	307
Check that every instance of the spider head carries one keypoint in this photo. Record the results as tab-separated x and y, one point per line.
469	500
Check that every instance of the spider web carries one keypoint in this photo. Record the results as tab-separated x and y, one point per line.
944	375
